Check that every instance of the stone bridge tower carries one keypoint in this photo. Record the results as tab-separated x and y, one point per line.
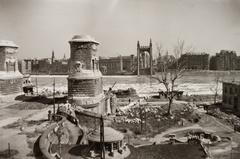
10	77
142	53
85	79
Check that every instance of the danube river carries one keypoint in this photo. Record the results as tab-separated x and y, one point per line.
190	83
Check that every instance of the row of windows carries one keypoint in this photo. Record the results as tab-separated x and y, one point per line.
230	90
109	64
229	101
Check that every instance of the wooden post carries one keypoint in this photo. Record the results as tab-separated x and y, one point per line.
9	152
54	97
102	138
36	86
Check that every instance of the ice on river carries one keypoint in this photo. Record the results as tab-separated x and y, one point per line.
199	84
144	89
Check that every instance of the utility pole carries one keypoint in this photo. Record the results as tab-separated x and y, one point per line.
36	87
102	138
145	115
9	152
54	97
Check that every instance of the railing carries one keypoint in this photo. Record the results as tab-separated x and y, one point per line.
69	117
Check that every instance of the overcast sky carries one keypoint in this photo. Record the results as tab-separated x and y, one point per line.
40	26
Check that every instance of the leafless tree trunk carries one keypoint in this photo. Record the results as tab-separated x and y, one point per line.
169	75
216	88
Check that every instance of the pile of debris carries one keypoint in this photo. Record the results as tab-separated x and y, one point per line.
230	118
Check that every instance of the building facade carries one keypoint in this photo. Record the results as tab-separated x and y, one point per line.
196	61
25	66
238	63
213	63
111	65
226	60
231	95
117	65
129	63
44	66
59	66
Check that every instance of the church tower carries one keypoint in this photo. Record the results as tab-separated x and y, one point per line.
53	57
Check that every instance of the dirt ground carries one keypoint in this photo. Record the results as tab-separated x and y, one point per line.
21	124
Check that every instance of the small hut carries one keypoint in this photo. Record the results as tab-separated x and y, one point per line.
113	141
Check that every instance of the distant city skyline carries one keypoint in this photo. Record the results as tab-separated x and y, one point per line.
39	27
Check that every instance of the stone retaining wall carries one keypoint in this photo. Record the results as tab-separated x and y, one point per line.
45	140
84	87
10	86
206	151
69	117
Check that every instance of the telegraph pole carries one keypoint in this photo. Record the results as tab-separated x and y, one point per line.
102	138
54	97
36	87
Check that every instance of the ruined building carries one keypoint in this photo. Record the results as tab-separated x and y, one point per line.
231	94
226	60
117	65
196	61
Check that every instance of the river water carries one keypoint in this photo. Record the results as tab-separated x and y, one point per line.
197	83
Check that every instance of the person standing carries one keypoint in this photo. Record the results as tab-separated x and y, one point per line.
67	106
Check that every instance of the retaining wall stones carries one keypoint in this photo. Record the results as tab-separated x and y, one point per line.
45	140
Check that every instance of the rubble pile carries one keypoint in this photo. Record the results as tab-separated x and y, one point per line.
230	118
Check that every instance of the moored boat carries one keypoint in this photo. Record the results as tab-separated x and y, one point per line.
28	86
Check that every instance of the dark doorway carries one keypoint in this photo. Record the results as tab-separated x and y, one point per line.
235	102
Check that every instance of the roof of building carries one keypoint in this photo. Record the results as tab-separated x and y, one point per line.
83	38
5	43
232	82
110	135
228	52
196	53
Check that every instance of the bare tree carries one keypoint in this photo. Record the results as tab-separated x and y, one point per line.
160	50
171	69
216	88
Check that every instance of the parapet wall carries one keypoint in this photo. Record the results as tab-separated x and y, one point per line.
45	140
84	87
10	86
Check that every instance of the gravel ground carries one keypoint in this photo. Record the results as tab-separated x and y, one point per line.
21	124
